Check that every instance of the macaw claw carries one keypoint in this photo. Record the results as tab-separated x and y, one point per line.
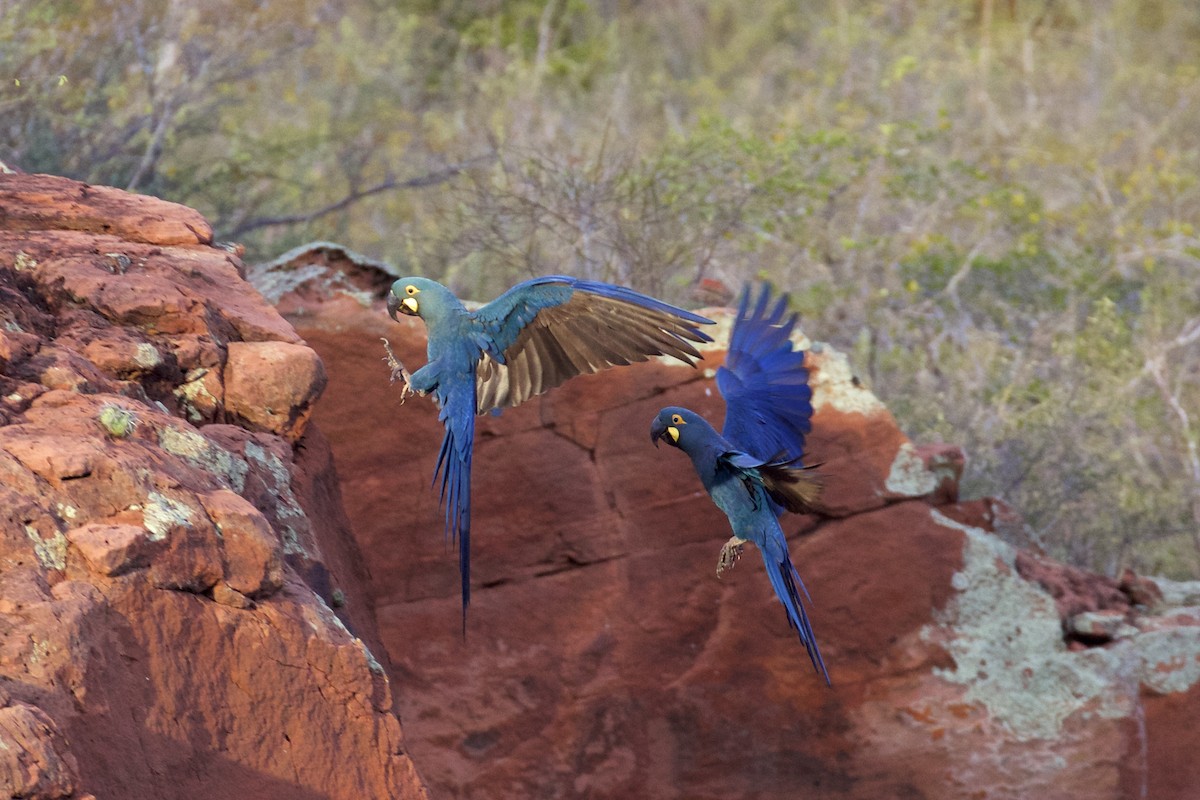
730	553
398	371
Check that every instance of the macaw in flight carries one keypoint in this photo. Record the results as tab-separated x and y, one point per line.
752	469
528	340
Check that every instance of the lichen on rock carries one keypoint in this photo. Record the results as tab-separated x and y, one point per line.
157	638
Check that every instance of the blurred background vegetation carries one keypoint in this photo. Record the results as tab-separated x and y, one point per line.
991	204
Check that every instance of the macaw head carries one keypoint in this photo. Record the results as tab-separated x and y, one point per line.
419	297
679	427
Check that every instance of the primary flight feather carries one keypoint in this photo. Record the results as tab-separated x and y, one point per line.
528	340
752	469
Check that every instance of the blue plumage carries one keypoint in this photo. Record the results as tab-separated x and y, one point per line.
751	469
768	402
530	339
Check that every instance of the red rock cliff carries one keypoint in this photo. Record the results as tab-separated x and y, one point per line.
183	611
604	658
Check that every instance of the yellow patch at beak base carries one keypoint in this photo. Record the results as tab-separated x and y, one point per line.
409	303
673	432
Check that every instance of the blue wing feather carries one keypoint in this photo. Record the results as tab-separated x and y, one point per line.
768	402
493	330
547	330
505	317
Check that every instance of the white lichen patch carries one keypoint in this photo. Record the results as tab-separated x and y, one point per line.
161	513
39	651
195	395
203	454
320	617
372	663
23	261
296	532
909	476
834	386
275	285
146	356
67	511
1006	641
51	553
1167	659
1179	593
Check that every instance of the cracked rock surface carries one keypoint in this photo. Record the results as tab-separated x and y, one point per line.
604	659
170	540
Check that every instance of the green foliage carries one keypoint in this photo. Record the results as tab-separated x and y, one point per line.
117	422
993	207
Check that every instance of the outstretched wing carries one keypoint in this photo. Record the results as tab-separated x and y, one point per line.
543	331
795	487
768	402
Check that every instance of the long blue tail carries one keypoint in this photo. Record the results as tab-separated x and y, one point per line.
787	584
454	466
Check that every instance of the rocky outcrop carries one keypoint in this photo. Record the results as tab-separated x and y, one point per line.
183	611
604	658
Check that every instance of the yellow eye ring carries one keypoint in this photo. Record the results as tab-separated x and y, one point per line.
677	420
410	289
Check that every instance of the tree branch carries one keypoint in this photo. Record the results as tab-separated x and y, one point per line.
428	179
1156	366
154	147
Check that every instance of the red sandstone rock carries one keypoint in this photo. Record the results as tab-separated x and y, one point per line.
271	386
134	662
604	658
112	548
1140	590
254	560
34	761
47	202
1074	590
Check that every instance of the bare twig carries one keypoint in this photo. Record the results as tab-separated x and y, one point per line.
154	147
398	372
1156	366
950	290
429	179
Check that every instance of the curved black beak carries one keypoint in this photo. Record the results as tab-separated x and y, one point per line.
658	429
393	303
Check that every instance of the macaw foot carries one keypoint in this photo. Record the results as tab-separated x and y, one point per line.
398	371
730	554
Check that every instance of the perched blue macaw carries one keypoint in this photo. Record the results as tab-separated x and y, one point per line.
752	469
528	340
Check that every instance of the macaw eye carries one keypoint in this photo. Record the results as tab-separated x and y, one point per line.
410	290
676	419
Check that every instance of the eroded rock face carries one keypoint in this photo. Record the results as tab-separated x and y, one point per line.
171	531
605	659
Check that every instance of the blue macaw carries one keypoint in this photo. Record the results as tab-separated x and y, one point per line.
751	469
528	340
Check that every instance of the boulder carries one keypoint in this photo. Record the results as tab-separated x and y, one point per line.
171	536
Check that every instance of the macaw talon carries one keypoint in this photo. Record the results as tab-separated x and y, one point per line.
730	553
398	371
